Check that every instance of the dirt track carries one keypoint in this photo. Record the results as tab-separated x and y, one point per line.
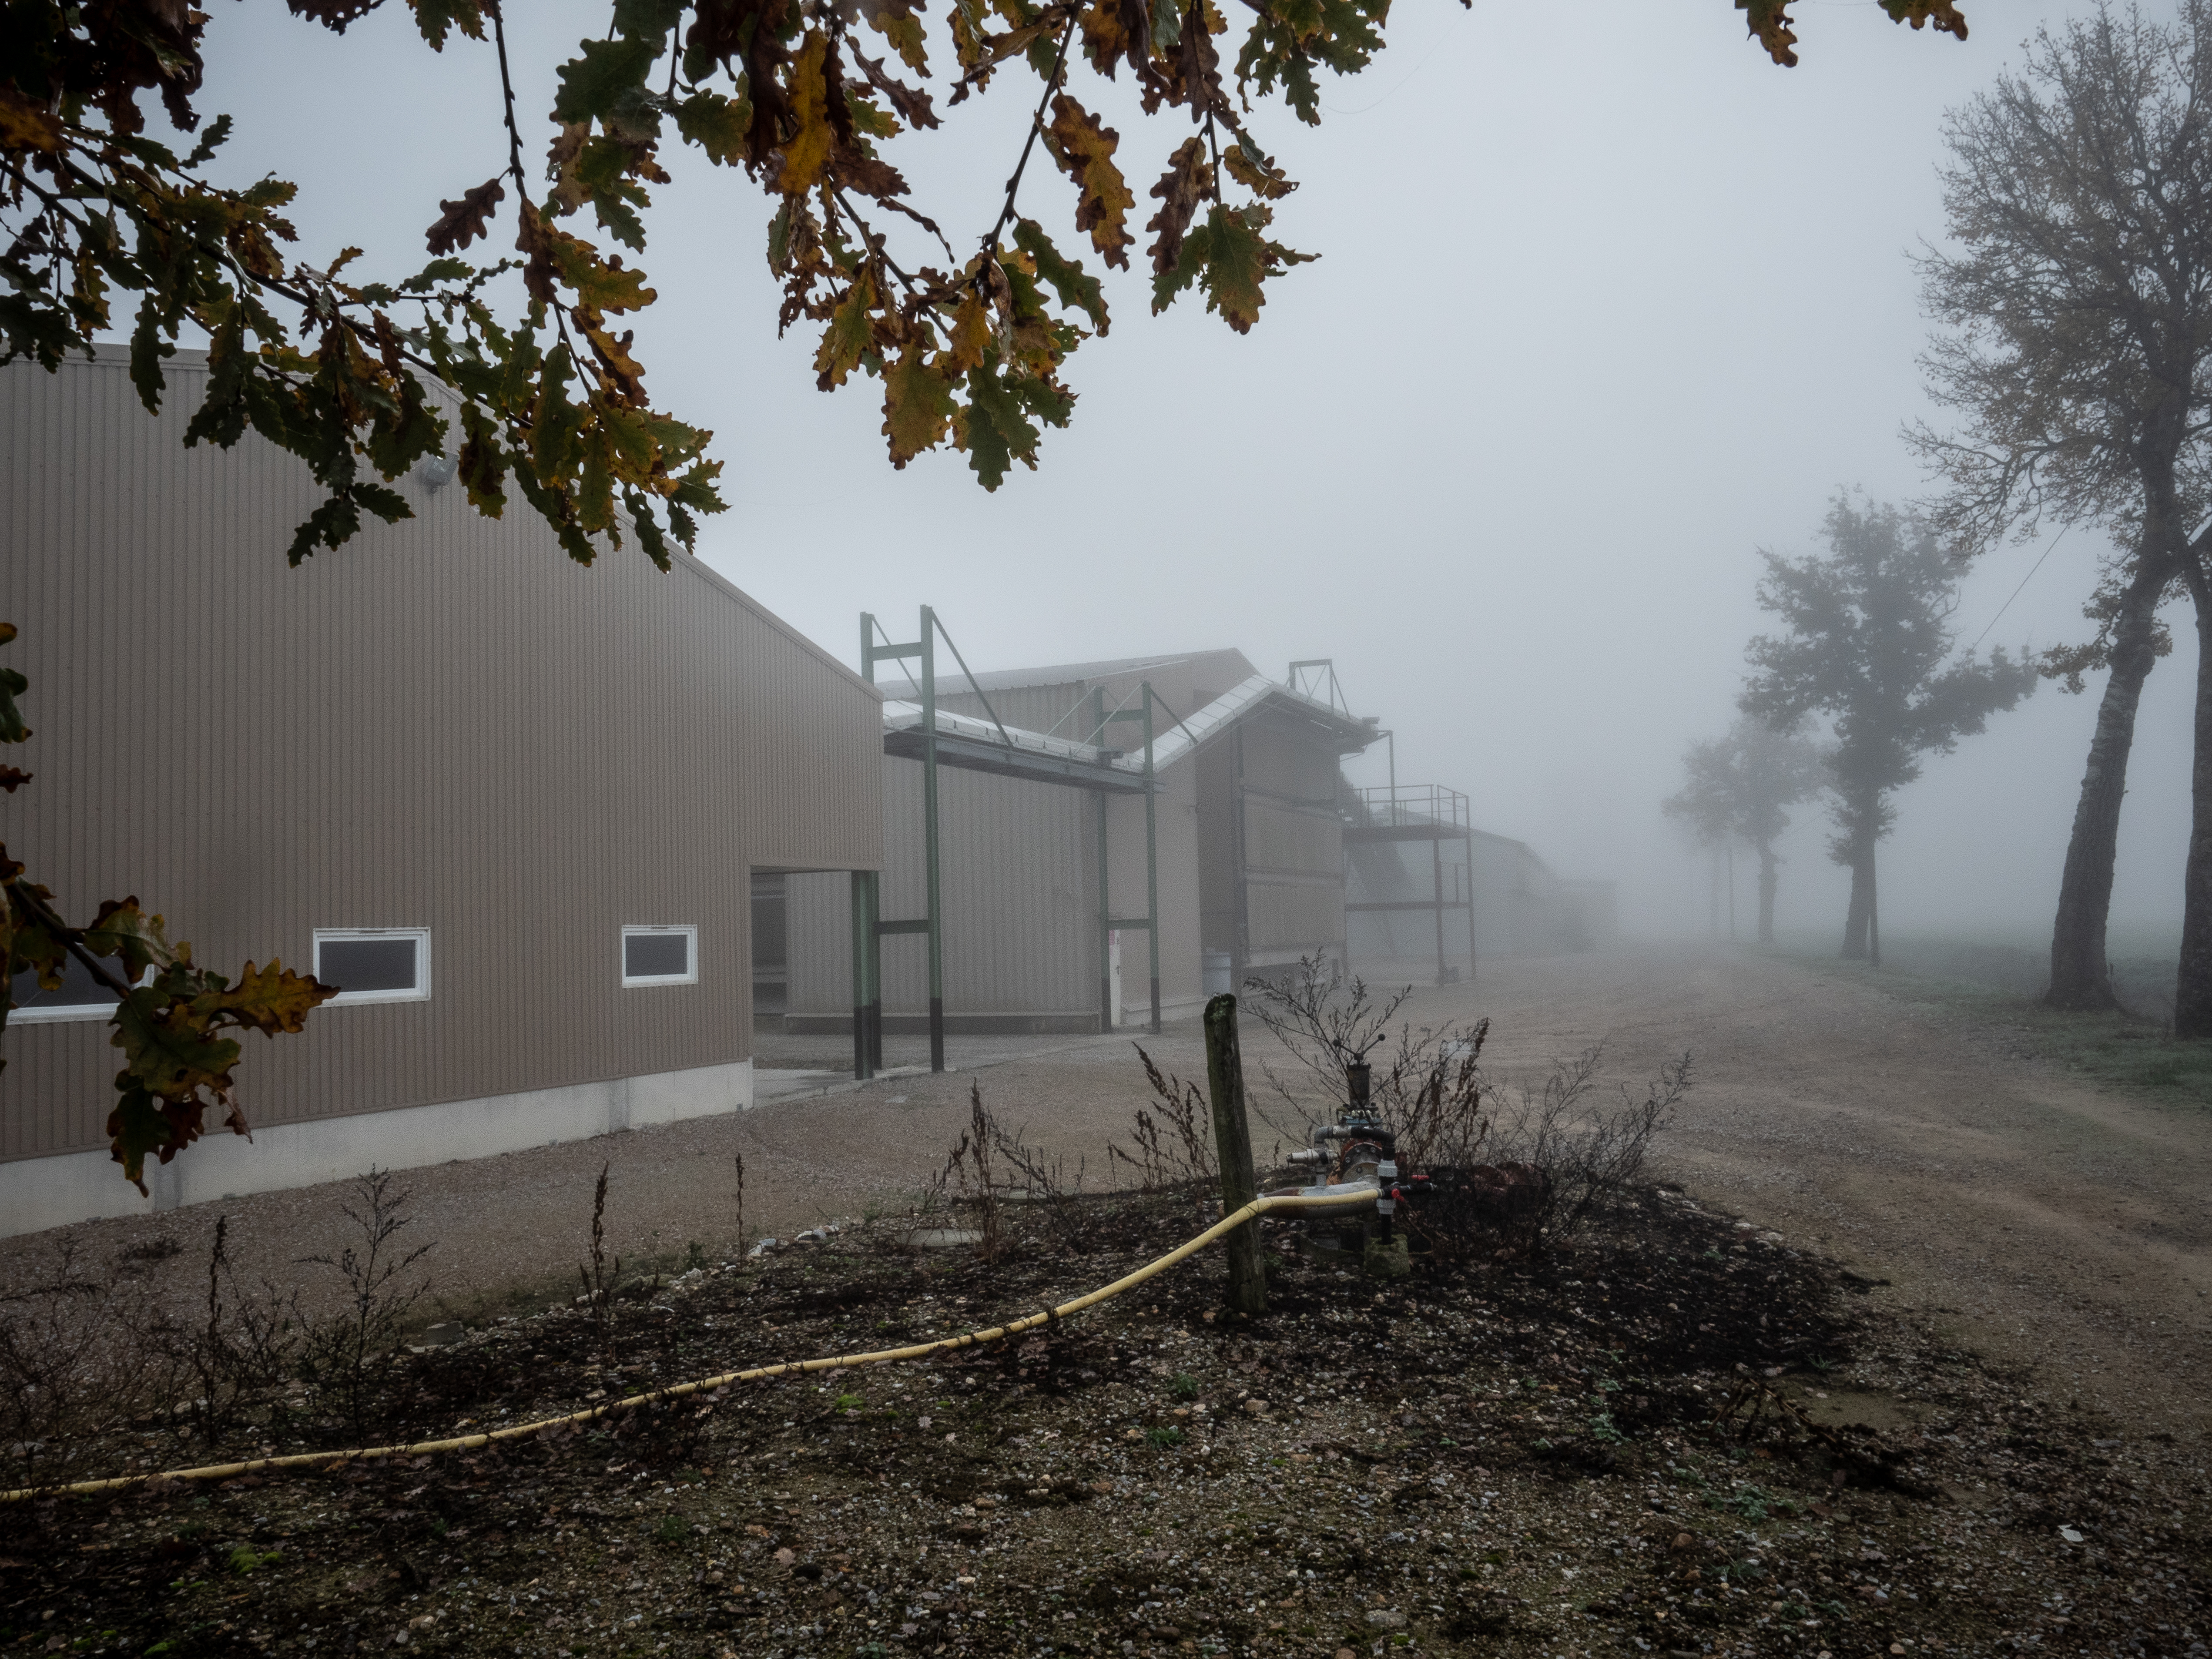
2047	1223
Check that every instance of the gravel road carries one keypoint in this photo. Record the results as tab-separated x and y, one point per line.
2047	1223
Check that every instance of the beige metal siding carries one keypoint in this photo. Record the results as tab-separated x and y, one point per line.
444	724
1019	880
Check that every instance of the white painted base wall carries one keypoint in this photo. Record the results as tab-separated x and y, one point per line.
1141	1013
37	1193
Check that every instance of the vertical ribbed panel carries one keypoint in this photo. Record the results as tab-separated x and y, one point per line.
1019	880
443	724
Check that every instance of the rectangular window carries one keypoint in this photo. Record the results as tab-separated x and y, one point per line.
375	964
661	956
80	996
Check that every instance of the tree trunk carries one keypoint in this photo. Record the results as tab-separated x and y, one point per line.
2081	977
1862	906
1874	913
2192	990
1769	878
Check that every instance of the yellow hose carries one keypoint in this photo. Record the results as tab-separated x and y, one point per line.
331	1460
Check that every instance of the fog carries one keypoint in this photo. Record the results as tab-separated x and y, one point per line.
1607	303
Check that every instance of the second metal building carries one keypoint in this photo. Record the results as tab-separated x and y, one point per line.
1247	848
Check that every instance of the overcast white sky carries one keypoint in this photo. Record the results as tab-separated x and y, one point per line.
1607	303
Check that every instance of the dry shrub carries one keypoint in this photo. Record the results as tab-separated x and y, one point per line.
1590	1147
972	1178
1509	1168
346	1354
1173	1145
83	1352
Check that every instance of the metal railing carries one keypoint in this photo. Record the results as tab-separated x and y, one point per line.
1408	805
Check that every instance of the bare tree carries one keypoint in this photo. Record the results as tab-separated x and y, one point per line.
1870	644
1741	788
2075	312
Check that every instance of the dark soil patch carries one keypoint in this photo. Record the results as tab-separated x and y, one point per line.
1681	1436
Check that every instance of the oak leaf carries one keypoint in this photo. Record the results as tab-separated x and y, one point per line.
1768	22
808	150
1180	190
1076	288
12	686
271	1001
462	223
165	1051
971	335
26	125
866	173
1256	172
1085	150
918	405
896	20
850	334
912	104
1230	257
1198	64
717	124
1944	15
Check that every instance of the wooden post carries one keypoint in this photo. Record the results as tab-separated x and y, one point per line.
1232	1140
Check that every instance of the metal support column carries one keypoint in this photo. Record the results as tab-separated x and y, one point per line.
1436	880
864	935
1152	858
929	838
1150	924
931	925
1468	841
1105	904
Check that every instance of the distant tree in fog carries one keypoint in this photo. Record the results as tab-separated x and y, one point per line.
2076	305
1869	646
1740	788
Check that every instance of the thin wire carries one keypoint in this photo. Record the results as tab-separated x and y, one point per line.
2024	582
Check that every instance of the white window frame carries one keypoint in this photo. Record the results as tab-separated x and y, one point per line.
631	982
421	993
62	1012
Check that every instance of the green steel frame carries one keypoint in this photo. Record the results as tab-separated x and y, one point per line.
869	926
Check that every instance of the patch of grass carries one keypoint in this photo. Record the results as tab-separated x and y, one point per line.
1185	1386
2116	1050
1168	1435
245	1560
671	1531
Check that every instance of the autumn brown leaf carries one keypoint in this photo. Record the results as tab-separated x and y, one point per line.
1256	172
911	102
1181	188
1769	23
1085	150
1200	64
1941	14
26	125
462	223
868	175
1105	41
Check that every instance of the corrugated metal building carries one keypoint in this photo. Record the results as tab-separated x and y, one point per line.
1249	848
518	800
